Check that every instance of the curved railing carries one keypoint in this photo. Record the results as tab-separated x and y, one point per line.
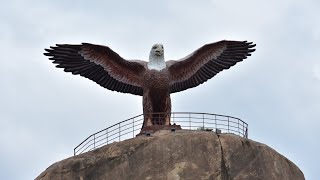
187	120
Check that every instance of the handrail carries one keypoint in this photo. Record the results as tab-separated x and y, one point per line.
129	128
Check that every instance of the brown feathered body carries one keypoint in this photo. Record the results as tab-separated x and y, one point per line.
156	96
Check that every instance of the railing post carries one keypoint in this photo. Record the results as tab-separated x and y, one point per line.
215	121
119	132
228	125
190	120
247	131
203	121
94	141
244	129
133	127
238	127
107	136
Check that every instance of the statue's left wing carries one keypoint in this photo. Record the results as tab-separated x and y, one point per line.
101	65
206	62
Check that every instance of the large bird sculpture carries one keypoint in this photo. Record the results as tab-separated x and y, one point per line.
154	80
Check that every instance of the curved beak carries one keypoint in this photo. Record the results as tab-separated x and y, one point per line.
159	52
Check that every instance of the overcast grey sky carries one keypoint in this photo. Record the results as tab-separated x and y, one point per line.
45	113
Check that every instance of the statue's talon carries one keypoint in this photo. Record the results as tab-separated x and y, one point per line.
167	122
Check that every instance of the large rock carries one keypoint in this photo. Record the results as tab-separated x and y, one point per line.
178	155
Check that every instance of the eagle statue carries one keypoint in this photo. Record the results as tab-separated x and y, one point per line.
154	80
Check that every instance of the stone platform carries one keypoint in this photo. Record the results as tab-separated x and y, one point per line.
154	128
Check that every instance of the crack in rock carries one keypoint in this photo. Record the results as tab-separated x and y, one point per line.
225	174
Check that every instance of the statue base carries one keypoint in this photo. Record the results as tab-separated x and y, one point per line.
148	130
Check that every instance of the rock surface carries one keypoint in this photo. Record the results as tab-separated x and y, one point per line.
177	155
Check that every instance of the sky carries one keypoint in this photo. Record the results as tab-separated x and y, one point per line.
45	112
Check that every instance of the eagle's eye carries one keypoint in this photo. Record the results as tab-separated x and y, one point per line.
154	47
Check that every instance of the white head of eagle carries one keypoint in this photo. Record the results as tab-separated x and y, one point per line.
156	58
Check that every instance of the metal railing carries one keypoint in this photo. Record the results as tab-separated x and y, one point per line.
187	120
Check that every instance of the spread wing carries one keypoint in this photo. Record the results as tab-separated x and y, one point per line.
206	62
101	65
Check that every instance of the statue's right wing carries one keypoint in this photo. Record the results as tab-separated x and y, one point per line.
101	65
